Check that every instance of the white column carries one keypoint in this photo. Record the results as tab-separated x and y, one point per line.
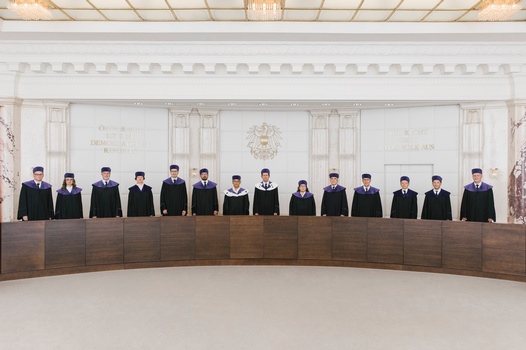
57	116
208	145
472	142
180	142
349	155
319	153
10	116
517	162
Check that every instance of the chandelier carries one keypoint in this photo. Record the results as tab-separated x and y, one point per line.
498	10
264	10
30	9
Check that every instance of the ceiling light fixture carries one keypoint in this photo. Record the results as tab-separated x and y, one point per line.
34	10
264	10
498	10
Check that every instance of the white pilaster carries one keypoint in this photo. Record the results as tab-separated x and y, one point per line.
180	142
57	141
471	143
517	162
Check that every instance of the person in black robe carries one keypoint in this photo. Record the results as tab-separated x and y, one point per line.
36	201
204	196
105	197
437	203
236	199
334	201
69	199
174	196
302	201
266	196
366	201
404	204
140	198
477	201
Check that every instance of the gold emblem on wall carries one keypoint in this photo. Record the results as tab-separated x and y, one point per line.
264	141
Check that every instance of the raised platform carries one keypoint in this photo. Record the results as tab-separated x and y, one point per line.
44	248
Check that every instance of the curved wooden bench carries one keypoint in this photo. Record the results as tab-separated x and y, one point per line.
44	248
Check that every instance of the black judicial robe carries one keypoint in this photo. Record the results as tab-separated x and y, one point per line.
305	205
69	204
236	203
478	205
437	207
334	202
404	206
174	197
105	200
35	203
266	200
366	204
140	202
204	199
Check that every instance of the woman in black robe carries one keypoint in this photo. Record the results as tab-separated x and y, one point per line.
302	201
69	199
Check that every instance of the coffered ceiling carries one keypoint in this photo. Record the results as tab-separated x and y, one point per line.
234	10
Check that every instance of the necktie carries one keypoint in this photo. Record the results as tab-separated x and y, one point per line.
173	181
204	184
105	183
333	188
38	185
477	187
436	193
367	190
265	186
403	192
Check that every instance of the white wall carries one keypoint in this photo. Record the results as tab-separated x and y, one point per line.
144	148
417	142
290	165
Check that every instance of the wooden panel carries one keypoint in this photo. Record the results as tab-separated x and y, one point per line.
281	237
462	245
104	241
23	246
65	243
212	237
247	240
423	243
314	237
142	239
177	238
349	238
504	249
385	241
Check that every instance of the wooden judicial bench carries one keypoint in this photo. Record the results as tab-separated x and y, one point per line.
46	248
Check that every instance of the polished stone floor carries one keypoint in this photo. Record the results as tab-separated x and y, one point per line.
262	308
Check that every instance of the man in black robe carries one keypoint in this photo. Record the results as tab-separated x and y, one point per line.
334	201
105	197
140	198
36	201
266	196
366	201
477	201
204	196
174	197
69	199
236	199
302	201
404	204
437	203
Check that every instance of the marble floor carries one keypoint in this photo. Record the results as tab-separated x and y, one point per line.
262	307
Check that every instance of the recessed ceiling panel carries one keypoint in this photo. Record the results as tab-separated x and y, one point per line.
300	15
120	15
192	15
156	15
342	15
73	4
341	4
231	4
457	4
419	4
187	4
408	16
87	15
443	16
303	4
149	4
380	4
365	15
228	15
110	4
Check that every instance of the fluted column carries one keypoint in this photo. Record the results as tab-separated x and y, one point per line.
319	153
208	145
349	155
57	116
180	141
472	142
10	115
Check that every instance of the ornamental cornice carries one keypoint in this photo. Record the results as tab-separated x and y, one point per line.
244	49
